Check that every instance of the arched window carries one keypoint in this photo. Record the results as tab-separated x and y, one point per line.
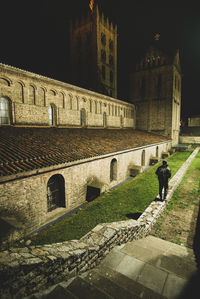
55	192
157	151
143	158
113	170
103	72
4	112
83	117
111	77
104	120
52	115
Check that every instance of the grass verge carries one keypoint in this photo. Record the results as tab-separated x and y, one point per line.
116	205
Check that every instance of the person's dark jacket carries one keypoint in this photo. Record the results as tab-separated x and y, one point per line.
163	173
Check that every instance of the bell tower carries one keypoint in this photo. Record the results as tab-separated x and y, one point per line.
93	51
155	89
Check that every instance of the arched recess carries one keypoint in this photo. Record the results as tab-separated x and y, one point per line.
83	117
157	151
20	91
113	170
4	81
5	111
42	96
32	94
63	104
52	115
70	101
104	120
143	158
55	192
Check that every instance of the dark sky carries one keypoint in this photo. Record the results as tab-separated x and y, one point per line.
34	37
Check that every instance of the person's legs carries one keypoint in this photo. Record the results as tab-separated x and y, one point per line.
165	190
160	190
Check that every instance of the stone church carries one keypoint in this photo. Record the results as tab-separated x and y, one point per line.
62	145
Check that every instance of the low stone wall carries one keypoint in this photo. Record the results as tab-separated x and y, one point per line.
24	271
190	139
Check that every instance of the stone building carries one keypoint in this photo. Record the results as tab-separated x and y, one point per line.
93	52
61	146
155	89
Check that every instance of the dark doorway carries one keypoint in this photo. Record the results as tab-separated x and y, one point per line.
6	230
55	192
92	193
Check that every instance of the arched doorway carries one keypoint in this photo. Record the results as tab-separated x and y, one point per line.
55	192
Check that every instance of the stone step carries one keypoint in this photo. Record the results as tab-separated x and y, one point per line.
84	290
59	292
101	281
133	287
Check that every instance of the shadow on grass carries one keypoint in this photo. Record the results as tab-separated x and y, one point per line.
134	216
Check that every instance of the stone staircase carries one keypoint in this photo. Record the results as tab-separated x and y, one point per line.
99	283
146	268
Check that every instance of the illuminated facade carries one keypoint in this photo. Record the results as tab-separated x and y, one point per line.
93	53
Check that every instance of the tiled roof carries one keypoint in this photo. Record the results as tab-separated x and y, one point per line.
27	148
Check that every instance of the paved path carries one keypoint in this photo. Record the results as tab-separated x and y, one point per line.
166	268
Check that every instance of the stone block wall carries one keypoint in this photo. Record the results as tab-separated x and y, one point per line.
30	95
24	199
24	271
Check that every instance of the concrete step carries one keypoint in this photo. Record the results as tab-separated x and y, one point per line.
135	288
85	290
103	282
59	292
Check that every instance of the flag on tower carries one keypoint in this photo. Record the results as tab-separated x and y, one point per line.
91	5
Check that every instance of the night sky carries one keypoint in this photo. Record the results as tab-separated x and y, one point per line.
34	37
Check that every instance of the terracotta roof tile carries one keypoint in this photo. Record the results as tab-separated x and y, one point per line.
25	148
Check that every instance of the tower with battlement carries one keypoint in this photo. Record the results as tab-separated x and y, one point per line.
93	52
155	89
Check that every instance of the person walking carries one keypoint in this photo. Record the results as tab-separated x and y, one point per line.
163	173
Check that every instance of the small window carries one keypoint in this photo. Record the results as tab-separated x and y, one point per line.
113	170
143	158
51	115
103	55
111	61
111	76
111	45
103	39
4	111
157	151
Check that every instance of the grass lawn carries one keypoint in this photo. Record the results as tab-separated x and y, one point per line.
116	205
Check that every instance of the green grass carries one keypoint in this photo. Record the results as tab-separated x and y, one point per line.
129	198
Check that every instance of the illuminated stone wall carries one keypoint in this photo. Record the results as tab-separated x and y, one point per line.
30	96
24	196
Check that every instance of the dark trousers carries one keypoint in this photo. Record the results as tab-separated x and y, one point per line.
161	186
